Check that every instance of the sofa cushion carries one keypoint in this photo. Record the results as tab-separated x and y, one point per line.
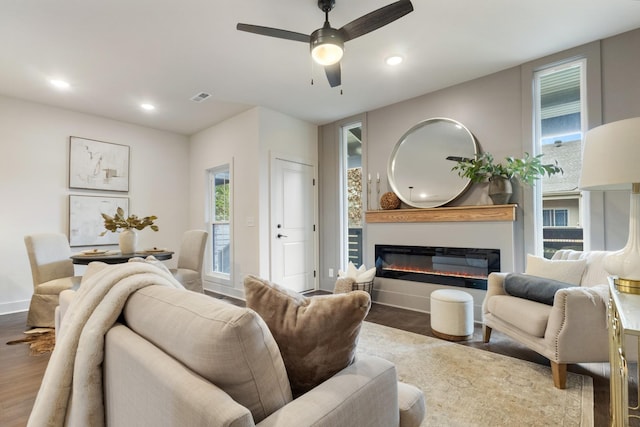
594	273
317	336
568	271
228	345
528	316
533	288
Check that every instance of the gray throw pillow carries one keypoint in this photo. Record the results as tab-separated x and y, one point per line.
533	288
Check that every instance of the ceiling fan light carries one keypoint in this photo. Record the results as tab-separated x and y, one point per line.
327	53
326	45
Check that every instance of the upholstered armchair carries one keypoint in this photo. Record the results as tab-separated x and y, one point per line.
52	271
572	330
190	259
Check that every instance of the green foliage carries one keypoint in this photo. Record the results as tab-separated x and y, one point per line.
527	170
222	202
119	222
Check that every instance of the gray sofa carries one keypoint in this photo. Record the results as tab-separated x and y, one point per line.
178	358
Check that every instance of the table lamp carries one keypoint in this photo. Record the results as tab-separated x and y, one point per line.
611	161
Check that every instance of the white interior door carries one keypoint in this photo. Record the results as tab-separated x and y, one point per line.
292	225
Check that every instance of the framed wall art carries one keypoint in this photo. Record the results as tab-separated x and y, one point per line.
86	222
97	165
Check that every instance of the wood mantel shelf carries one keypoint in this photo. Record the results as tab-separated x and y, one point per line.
446	214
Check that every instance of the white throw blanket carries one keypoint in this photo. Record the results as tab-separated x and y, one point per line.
71	390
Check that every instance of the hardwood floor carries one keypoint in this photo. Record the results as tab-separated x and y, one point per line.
21	374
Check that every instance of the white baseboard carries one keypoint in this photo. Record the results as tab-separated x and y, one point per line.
224	290
14	307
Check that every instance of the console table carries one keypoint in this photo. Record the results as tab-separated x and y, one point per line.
624	321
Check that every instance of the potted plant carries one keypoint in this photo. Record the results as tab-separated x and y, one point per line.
483	168
127	226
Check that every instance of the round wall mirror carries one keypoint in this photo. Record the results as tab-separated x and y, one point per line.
419	169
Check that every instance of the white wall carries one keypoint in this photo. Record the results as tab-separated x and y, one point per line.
234	141
34	140
289	139
247	141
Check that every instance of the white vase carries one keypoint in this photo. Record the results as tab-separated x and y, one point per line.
128	240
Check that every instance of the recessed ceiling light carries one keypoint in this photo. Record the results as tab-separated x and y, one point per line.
147	107
60	84
394	60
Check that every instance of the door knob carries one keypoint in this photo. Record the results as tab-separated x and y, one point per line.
280	236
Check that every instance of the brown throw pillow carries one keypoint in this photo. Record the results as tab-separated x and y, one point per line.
317	336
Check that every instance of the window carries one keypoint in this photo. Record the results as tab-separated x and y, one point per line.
555	217
220	214
560	120
352	178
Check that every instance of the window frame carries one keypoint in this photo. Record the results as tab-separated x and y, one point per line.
592	203
537	134
217	276
343	182
552	214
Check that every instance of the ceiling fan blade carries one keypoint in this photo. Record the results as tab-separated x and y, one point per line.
376	19
274	32
333	74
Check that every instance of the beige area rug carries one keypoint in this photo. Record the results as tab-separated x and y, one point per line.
40	340
465	386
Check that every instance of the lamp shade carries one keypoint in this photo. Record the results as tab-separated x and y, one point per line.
609	162
611	156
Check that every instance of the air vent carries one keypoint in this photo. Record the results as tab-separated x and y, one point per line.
200	97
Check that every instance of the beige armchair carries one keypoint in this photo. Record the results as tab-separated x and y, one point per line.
572	330
190	259
52	272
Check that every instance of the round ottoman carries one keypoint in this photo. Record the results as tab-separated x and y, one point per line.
452	314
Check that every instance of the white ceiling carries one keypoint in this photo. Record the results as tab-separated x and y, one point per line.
119	53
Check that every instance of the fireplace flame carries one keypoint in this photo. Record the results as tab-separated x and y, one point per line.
412	269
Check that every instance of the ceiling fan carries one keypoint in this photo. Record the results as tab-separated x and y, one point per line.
327	43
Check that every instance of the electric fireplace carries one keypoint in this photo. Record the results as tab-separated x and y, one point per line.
463	267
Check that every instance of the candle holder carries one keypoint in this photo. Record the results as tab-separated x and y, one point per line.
378	191
369	193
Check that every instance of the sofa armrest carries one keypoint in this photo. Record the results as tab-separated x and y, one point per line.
577	326
144	386
365	393
495	286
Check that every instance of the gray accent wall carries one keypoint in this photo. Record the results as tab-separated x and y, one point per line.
494	108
